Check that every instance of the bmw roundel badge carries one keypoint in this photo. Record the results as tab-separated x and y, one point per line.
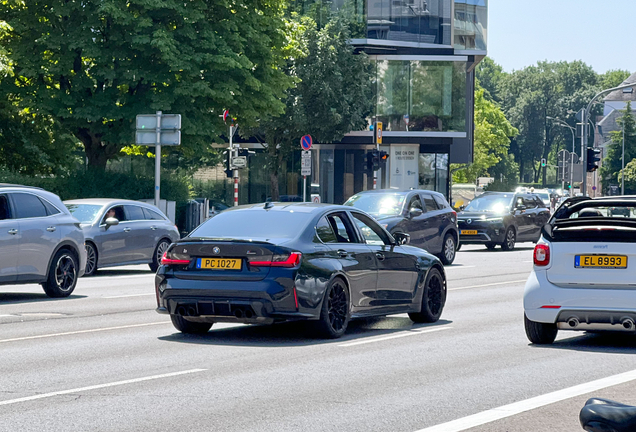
216	250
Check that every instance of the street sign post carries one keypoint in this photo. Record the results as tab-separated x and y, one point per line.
305	170
158	129
306	142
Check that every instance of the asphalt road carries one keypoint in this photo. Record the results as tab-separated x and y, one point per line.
103	360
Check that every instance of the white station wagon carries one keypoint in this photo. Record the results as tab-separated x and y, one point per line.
584	275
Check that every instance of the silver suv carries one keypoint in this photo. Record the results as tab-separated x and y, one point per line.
40	241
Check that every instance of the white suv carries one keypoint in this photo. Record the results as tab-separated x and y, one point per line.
584	275
40	241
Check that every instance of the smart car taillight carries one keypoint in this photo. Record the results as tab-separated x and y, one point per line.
291	260
541	255
168	260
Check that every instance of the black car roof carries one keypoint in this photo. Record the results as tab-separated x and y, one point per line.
300	207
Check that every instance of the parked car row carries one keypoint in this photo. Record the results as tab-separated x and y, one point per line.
54	243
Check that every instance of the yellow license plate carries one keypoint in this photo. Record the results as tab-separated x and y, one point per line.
600	261
219	263
469	232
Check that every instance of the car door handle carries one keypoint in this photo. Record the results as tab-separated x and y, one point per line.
342	253
380	256
153	228
126	229
51	229
13	231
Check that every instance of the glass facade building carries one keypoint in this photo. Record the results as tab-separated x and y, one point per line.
424	53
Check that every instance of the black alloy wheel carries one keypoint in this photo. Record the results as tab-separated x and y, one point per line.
509	241
91	260
448	250
62	275
162	247
433	298
334	314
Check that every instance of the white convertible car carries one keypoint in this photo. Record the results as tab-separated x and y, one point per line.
584	275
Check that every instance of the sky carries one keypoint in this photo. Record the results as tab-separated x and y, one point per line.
602	33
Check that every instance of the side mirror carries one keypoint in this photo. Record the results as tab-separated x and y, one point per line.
401	238
111	221
462	207
415	212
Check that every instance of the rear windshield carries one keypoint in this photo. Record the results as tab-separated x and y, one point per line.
85	213
378	204
593	221
590	210
254	224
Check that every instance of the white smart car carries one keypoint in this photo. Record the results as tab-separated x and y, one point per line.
584	275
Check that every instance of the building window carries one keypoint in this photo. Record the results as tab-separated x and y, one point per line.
471	24
433	172
421	95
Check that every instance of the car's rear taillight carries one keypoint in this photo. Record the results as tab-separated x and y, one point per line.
541	255
167	259
291	260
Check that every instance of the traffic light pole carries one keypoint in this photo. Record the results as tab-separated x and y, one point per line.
158	162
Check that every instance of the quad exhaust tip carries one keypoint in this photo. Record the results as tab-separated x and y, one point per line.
628	323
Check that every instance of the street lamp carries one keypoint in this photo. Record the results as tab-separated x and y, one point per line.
573	130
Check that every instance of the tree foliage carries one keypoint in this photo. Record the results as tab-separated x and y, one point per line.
612	163
330	98
93	65
492	140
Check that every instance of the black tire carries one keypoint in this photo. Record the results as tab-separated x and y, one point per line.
334	313
491	246
459	246
91	260
162	246
433	298
63	274
509	240
540	333
449	248
185	326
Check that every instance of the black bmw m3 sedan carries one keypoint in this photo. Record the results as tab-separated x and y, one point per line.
278	262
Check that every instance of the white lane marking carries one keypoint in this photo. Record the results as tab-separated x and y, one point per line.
530	404
98	386
82	331
395	336
458	267
487	285
107	278
6	315
129	295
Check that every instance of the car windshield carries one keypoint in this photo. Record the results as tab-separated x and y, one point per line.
254	224
490	203
378	204
85	213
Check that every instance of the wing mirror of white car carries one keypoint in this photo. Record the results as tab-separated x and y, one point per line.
111	221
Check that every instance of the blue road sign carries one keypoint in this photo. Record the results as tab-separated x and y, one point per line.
306	142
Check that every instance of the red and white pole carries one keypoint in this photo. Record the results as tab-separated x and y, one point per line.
235	188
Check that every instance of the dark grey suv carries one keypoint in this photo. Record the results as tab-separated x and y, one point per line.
425	215
41	242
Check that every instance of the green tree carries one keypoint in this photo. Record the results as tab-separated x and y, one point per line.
489	75
613	78
612	164
93	65
492	140
332	95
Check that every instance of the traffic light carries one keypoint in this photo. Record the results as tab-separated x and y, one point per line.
593	156
543	163
384	157
228	172
373	160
